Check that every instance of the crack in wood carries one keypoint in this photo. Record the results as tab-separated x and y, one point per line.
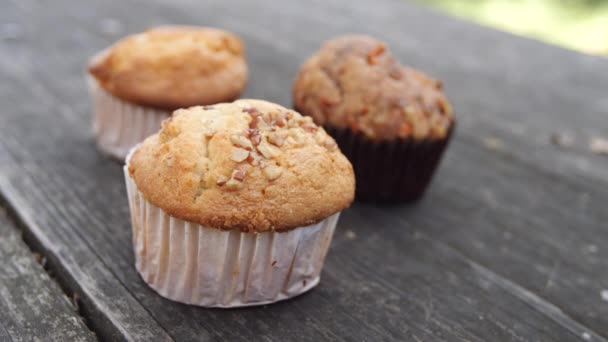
535	301
37	307
91	312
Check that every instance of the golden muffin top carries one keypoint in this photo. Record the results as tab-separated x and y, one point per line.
172	67
354	82
250	165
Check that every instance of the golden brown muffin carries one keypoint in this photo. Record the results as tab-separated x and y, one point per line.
172	67
354	82
250	165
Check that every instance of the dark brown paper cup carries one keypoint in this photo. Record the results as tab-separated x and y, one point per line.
390	171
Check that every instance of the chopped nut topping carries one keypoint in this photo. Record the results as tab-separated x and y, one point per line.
297	137
221	180
267	150
255	117
330	144
254	158
233	184
280	119
256	139
254	135
251	111
421	129
258	122
439	131
309	127
292	123
277	139
410	112
239	154
319	136
305	120
241	141
260	143
444	106
238	174
208	132
273	172
326	101
405	130
379	118
289	140
395	73
377	51
254	123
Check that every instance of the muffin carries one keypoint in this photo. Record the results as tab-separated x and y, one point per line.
140	80
393	122
235	204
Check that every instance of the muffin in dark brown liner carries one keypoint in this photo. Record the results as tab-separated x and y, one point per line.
390	171
391	120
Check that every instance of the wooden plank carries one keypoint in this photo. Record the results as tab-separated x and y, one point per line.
112	311
544	231
4	336
501	101
32	306
390	288
343	310
186	321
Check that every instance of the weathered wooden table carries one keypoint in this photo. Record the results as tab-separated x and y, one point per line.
510	243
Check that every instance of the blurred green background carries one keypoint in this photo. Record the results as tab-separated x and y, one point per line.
577	24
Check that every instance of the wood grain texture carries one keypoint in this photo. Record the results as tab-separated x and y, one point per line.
32	307
500	249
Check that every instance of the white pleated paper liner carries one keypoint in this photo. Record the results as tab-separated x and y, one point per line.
194	264
120	125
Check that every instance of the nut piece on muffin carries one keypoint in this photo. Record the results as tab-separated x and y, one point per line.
249	170
158	71
392	121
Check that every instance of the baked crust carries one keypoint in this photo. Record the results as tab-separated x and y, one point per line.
354	82
250	165
172	67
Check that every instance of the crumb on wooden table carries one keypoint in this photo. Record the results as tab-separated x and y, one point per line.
562	139
599	145
604	295
493	143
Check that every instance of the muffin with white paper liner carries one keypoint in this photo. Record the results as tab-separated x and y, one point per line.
137	82
235	204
